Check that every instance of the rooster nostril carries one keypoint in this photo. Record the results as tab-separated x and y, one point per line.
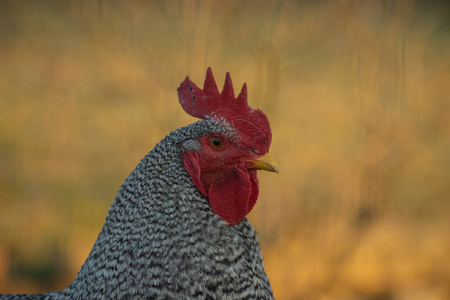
256	151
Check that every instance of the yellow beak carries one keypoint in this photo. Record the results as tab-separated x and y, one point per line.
264	162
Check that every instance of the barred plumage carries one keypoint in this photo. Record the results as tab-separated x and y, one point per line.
162	240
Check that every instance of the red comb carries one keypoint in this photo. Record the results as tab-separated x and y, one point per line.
201	103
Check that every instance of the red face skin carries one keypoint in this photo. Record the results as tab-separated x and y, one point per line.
222	174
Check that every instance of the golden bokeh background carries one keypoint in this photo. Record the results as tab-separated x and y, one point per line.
357	92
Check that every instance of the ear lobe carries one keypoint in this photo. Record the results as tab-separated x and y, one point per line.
192	166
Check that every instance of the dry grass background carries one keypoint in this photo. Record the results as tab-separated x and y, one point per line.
357	93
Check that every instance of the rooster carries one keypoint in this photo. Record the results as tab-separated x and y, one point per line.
177	228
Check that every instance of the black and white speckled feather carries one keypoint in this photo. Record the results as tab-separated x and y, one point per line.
161	240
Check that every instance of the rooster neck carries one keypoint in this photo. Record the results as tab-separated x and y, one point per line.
161	234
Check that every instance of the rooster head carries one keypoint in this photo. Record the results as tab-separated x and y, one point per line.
223	164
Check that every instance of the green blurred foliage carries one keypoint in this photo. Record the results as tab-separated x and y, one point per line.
357	93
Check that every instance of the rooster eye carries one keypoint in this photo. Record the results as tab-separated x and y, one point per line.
216	143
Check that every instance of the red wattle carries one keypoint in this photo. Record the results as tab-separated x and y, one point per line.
231	193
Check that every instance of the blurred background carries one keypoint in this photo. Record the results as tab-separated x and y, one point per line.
357	93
